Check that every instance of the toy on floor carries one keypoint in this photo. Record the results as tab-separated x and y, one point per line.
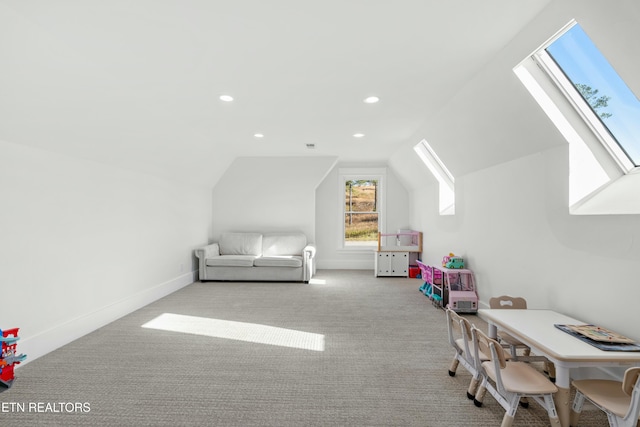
460	290
447	287
9	339
425	288
430	276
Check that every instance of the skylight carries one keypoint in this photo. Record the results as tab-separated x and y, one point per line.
603	98
447	196
597	114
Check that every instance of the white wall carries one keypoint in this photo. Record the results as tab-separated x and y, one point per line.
83	243
512	221
329	220
269	194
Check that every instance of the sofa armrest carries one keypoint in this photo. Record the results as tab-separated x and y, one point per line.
208	251
308	262
309	251
203	253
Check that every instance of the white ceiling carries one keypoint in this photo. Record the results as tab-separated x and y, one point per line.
135	83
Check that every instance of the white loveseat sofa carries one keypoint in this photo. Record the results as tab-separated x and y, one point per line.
258	257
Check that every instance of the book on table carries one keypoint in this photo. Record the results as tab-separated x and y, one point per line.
600	337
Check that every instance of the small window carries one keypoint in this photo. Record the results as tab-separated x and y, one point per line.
597	91
360	210
361	193
447	195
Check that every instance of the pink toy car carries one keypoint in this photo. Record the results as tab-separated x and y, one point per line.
460	290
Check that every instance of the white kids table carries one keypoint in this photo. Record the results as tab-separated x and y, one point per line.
536	329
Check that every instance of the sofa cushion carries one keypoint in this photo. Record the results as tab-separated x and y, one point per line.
278	244
231	261
278	261
241	244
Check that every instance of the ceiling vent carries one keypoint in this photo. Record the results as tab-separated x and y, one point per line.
311	146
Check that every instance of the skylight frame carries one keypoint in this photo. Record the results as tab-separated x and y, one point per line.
597	184
602	133
446	181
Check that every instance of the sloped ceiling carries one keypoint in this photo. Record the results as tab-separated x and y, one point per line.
135	83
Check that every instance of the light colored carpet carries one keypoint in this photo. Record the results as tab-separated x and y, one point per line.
346	350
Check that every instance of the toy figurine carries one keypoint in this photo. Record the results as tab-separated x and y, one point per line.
9	339
452	261
455	262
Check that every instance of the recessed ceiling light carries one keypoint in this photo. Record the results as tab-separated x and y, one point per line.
358	135
226	98
371	100
258	135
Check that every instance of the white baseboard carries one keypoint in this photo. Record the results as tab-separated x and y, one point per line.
345	265
59	335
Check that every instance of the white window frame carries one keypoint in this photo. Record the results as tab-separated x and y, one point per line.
599	182
446	181
348	174
542	57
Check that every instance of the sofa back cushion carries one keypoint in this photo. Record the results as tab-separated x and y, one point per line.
278	244
241	244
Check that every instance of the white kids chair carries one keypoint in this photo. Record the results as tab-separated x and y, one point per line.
509	302
460	339
619	400
508	380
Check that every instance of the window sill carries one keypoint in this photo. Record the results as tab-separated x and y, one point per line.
616	198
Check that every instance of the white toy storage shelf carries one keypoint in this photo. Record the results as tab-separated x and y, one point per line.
396	252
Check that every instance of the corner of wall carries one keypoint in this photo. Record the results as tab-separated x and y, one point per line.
62	334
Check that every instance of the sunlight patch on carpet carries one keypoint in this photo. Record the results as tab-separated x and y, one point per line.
240	331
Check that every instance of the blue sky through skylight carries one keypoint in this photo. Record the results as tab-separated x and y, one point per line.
582	63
